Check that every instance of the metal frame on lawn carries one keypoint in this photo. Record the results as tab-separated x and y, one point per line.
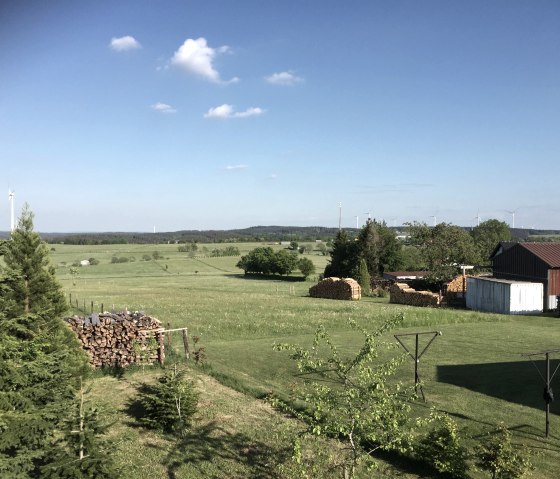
416	357
548	396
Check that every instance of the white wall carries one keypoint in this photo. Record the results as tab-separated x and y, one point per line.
505	297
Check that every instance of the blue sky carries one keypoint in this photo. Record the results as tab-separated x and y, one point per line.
125	115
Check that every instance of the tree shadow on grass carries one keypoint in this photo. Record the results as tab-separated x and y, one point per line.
517	382
212	443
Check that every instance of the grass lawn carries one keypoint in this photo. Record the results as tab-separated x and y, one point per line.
474	371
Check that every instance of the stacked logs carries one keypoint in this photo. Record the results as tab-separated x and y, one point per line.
119	339
455	291
401	293
336	288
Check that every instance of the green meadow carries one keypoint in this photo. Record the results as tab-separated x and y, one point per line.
474	371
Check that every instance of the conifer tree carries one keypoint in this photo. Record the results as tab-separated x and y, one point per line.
32	290
40	359
79	452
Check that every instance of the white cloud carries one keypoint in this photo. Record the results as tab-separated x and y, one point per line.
226	111
253	111
163	107
284	79
236	167
196	57
123	44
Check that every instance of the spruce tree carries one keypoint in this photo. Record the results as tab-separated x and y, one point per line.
40	359
32	290
78	452
363	278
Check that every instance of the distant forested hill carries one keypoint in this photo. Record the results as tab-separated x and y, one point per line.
254	233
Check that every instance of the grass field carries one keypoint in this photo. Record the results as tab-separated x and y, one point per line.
474	371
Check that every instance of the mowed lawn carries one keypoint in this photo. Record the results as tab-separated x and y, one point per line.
474	370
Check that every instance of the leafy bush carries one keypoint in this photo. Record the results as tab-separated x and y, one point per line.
93	261
169	404
121	259
498	455
146	257
352	399
443	449
306	266
265	260
157	255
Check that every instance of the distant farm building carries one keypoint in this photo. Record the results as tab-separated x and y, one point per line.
504	296
534	262
400	276
84	262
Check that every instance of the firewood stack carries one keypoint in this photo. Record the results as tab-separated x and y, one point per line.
336	288
119	339
401	293
455	291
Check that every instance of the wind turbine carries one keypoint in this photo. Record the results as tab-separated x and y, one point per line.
435	219
368	215
11	195
477	218
512	213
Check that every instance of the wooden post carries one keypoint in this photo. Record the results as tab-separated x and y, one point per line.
77	303
169	336
102	309
92	307
186	343
70	298
161	348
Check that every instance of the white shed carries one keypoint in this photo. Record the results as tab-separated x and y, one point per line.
504	296
84	262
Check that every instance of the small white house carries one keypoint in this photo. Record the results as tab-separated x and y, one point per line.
84	262
504	296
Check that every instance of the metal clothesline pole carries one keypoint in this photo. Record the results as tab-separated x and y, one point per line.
417	355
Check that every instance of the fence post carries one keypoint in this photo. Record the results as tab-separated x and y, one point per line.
161	348
169	336
102	309
92	307
186	343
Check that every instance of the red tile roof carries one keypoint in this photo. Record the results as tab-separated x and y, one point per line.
548	252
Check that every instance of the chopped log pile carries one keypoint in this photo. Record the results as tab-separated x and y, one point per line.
402	293
336	288
119	339
455	291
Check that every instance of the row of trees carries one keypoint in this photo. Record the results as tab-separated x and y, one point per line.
264	260
440	249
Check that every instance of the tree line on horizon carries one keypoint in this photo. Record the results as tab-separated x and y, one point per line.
251	234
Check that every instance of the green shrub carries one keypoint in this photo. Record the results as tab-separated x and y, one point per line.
498	455
122	259
443	449
169	404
